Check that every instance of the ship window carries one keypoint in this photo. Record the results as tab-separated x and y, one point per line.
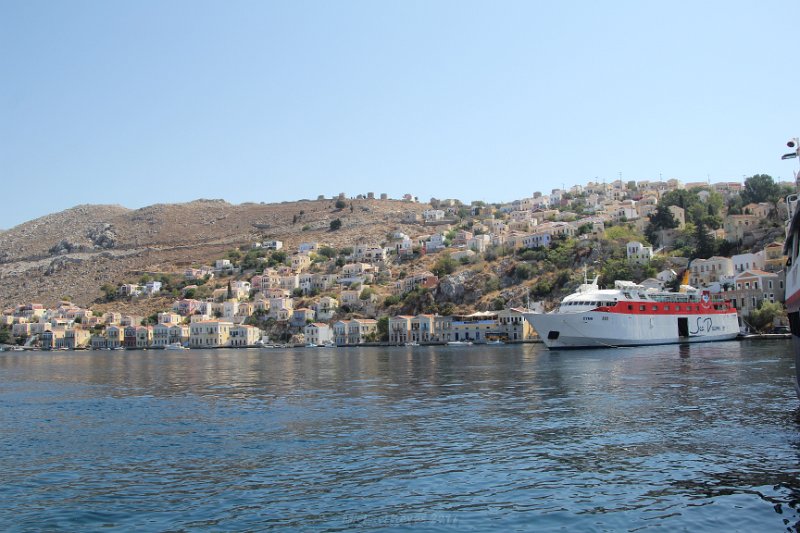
641	308
666	308
630	308
677	307
655	308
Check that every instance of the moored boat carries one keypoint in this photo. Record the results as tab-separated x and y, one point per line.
175	346
630	315
791	249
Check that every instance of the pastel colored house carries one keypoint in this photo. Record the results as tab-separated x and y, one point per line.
209	334
318	333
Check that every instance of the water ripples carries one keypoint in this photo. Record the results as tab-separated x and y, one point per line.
482	438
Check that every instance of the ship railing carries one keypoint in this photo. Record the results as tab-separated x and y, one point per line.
791	204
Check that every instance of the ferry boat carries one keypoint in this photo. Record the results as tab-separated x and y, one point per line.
791	249
630	315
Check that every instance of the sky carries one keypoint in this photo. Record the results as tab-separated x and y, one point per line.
144	102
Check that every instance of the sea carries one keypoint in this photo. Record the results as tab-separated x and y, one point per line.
468	438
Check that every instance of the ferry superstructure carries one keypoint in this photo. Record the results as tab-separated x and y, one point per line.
630	315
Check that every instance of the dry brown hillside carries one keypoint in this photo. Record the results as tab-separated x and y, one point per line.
74	252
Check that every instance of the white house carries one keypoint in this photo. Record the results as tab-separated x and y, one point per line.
749	261
318	333
638	253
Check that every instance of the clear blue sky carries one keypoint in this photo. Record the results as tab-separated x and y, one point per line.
165	101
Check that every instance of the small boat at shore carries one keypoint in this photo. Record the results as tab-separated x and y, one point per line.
459	343
175	346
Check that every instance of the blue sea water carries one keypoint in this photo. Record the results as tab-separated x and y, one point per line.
504	438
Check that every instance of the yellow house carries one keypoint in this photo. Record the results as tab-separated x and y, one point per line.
209	334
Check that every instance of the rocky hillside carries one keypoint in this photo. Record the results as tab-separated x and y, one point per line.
74	252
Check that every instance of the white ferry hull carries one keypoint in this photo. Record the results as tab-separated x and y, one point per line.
593	329
793	310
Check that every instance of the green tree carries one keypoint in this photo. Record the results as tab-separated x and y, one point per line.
383	328
615	269
277	258
523	271
663	218
444	265
393	299
763	317
542	288
335	224
340	204
327	251
705	245
109	292
366	293
760	188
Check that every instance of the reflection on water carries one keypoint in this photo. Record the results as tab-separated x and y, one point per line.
675	437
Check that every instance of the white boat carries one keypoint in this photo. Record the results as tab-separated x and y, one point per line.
630	315
495	342
791	249
311	345
411	344
459	343
175	346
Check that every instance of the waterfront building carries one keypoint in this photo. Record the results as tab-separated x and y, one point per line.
422	328
76	338
360	329
161	335
243	335
318	333
399	329
179	333
209	334
340	332
50	340
512	325
115	335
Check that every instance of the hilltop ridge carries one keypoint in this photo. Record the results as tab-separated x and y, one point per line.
73	252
